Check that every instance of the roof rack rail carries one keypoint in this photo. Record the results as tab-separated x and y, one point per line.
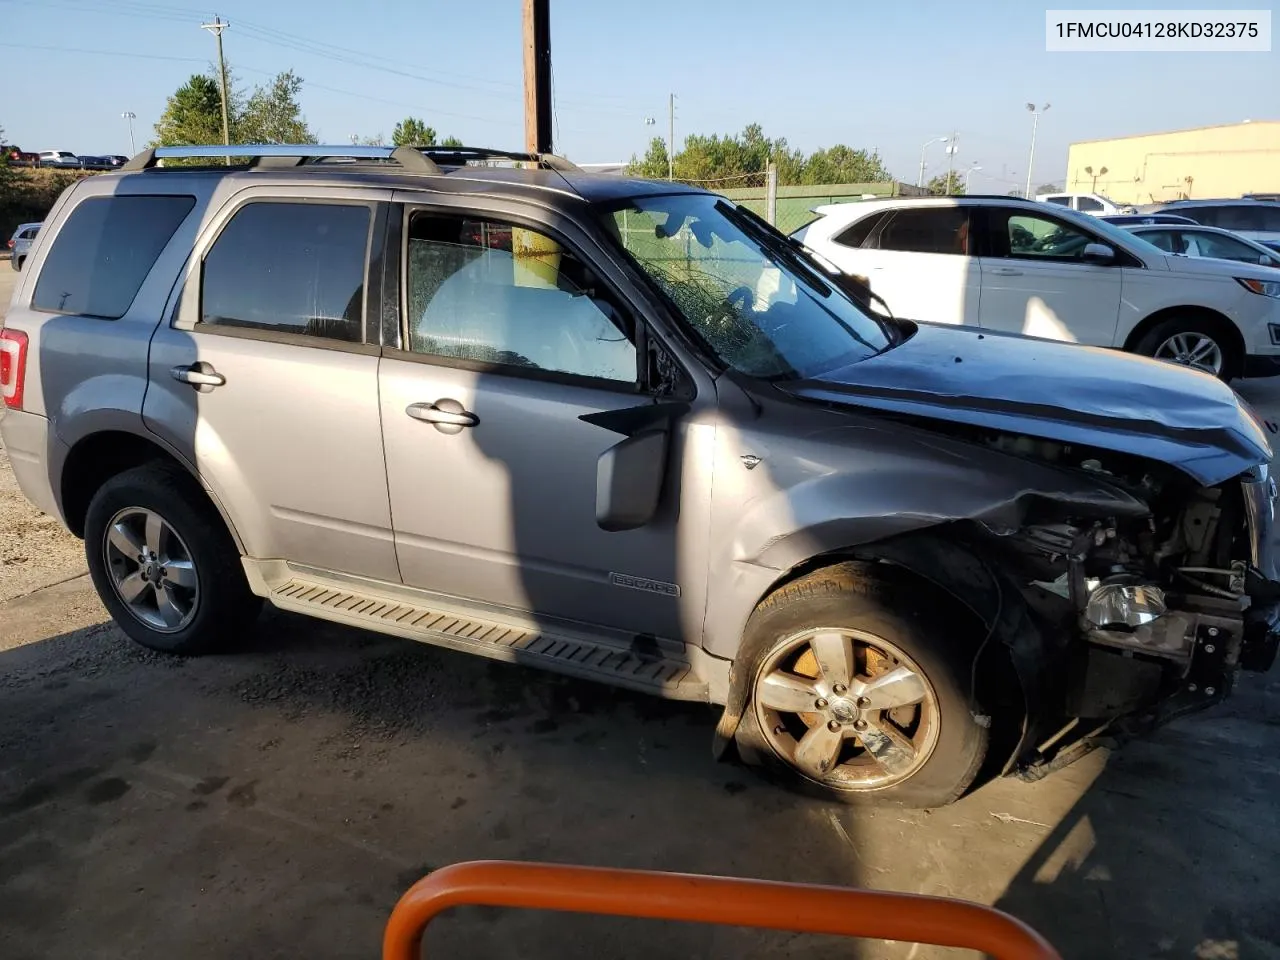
463	154
409	158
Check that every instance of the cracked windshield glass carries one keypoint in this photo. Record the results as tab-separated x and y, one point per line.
752	299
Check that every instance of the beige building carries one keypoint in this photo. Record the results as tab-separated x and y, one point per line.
1206	162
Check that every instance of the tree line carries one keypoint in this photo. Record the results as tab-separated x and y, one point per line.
269	113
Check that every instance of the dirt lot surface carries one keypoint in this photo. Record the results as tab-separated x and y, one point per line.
275	801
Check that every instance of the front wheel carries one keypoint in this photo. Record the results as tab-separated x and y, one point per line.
1192	342
164	564
860	692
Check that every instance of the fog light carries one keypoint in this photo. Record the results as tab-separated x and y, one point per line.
1274	330
1124	606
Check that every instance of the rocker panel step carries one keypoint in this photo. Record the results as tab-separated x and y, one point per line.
576	654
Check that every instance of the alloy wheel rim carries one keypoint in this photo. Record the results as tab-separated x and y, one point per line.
151	569
846	709
1196	350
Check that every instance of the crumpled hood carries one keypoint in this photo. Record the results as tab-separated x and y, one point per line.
1057	391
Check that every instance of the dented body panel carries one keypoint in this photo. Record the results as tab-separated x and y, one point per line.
1057	391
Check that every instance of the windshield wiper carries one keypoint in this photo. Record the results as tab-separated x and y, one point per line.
760	230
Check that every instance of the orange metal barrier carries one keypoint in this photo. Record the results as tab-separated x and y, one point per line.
805	908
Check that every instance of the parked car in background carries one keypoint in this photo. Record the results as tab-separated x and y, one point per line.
927	551
1032	268
17	157
59	158
1092	203
1195	240
1129	219
20	243
1255	219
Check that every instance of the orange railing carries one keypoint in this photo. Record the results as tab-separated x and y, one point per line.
800	907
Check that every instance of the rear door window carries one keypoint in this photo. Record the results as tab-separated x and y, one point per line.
1088	204
289	268
928	230
104	251
1239	218
1166	240
1061	200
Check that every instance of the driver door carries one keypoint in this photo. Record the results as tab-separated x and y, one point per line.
1036	282
509	341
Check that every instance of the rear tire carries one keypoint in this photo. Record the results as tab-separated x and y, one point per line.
164	564
1186	337
901	731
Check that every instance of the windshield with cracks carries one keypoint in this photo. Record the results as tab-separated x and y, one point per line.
750	296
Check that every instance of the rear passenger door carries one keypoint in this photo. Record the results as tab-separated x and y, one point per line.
919	260
262	376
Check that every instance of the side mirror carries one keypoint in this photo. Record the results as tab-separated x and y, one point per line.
629	479
1098	253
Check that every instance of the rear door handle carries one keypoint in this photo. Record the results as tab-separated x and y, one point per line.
448	415
1005	272
198	375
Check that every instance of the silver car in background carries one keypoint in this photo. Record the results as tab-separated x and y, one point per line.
20	243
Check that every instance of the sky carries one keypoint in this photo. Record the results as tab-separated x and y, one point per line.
884	76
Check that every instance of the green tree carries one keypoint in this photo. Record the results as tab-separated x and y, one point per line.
742	160
272	114
413	132
1048	188
654	162
451	142
844	164
938	186
192	114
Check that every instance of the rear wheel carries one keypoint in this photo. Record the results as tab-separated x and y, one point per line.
859	692
164	564
1194	342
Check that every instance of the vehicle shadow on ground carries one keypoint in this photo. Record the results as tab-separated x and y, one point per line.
278	800
1171	852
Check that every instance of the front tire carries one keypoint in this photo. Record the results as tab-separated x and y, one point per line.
1193	342
164	564
860	691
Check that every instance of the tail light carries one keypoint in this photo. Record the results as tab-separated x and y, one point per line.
10	243
13	367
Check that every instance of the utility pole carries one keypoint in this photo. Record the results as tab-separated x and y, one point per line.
671	136
537	76
216	29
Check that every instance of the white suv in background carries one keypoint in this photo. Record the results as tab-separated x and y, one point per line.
1012	265
1094	204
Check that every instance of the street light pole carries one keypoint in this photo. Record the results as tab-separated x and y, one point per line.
130	116
927	145
1035	122
969	173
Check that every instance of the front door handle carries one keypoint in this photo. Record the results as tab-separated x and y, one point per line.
198	375
1005	272
448	415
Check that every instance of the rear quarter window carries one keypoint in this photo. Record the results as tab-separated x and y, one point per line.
104	251
857	234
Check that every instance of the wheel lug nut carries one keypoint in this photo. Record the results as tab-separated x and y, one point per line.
859	724
839	688
864	701
821	703
833	725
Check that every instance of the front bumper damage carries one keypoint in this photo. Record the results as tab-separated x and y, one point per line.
1147	662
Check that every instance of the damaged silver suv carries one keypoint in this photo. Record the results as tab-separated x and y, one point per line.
626	431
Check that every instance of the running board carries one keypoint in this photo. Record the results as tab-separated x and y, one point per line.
506	636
